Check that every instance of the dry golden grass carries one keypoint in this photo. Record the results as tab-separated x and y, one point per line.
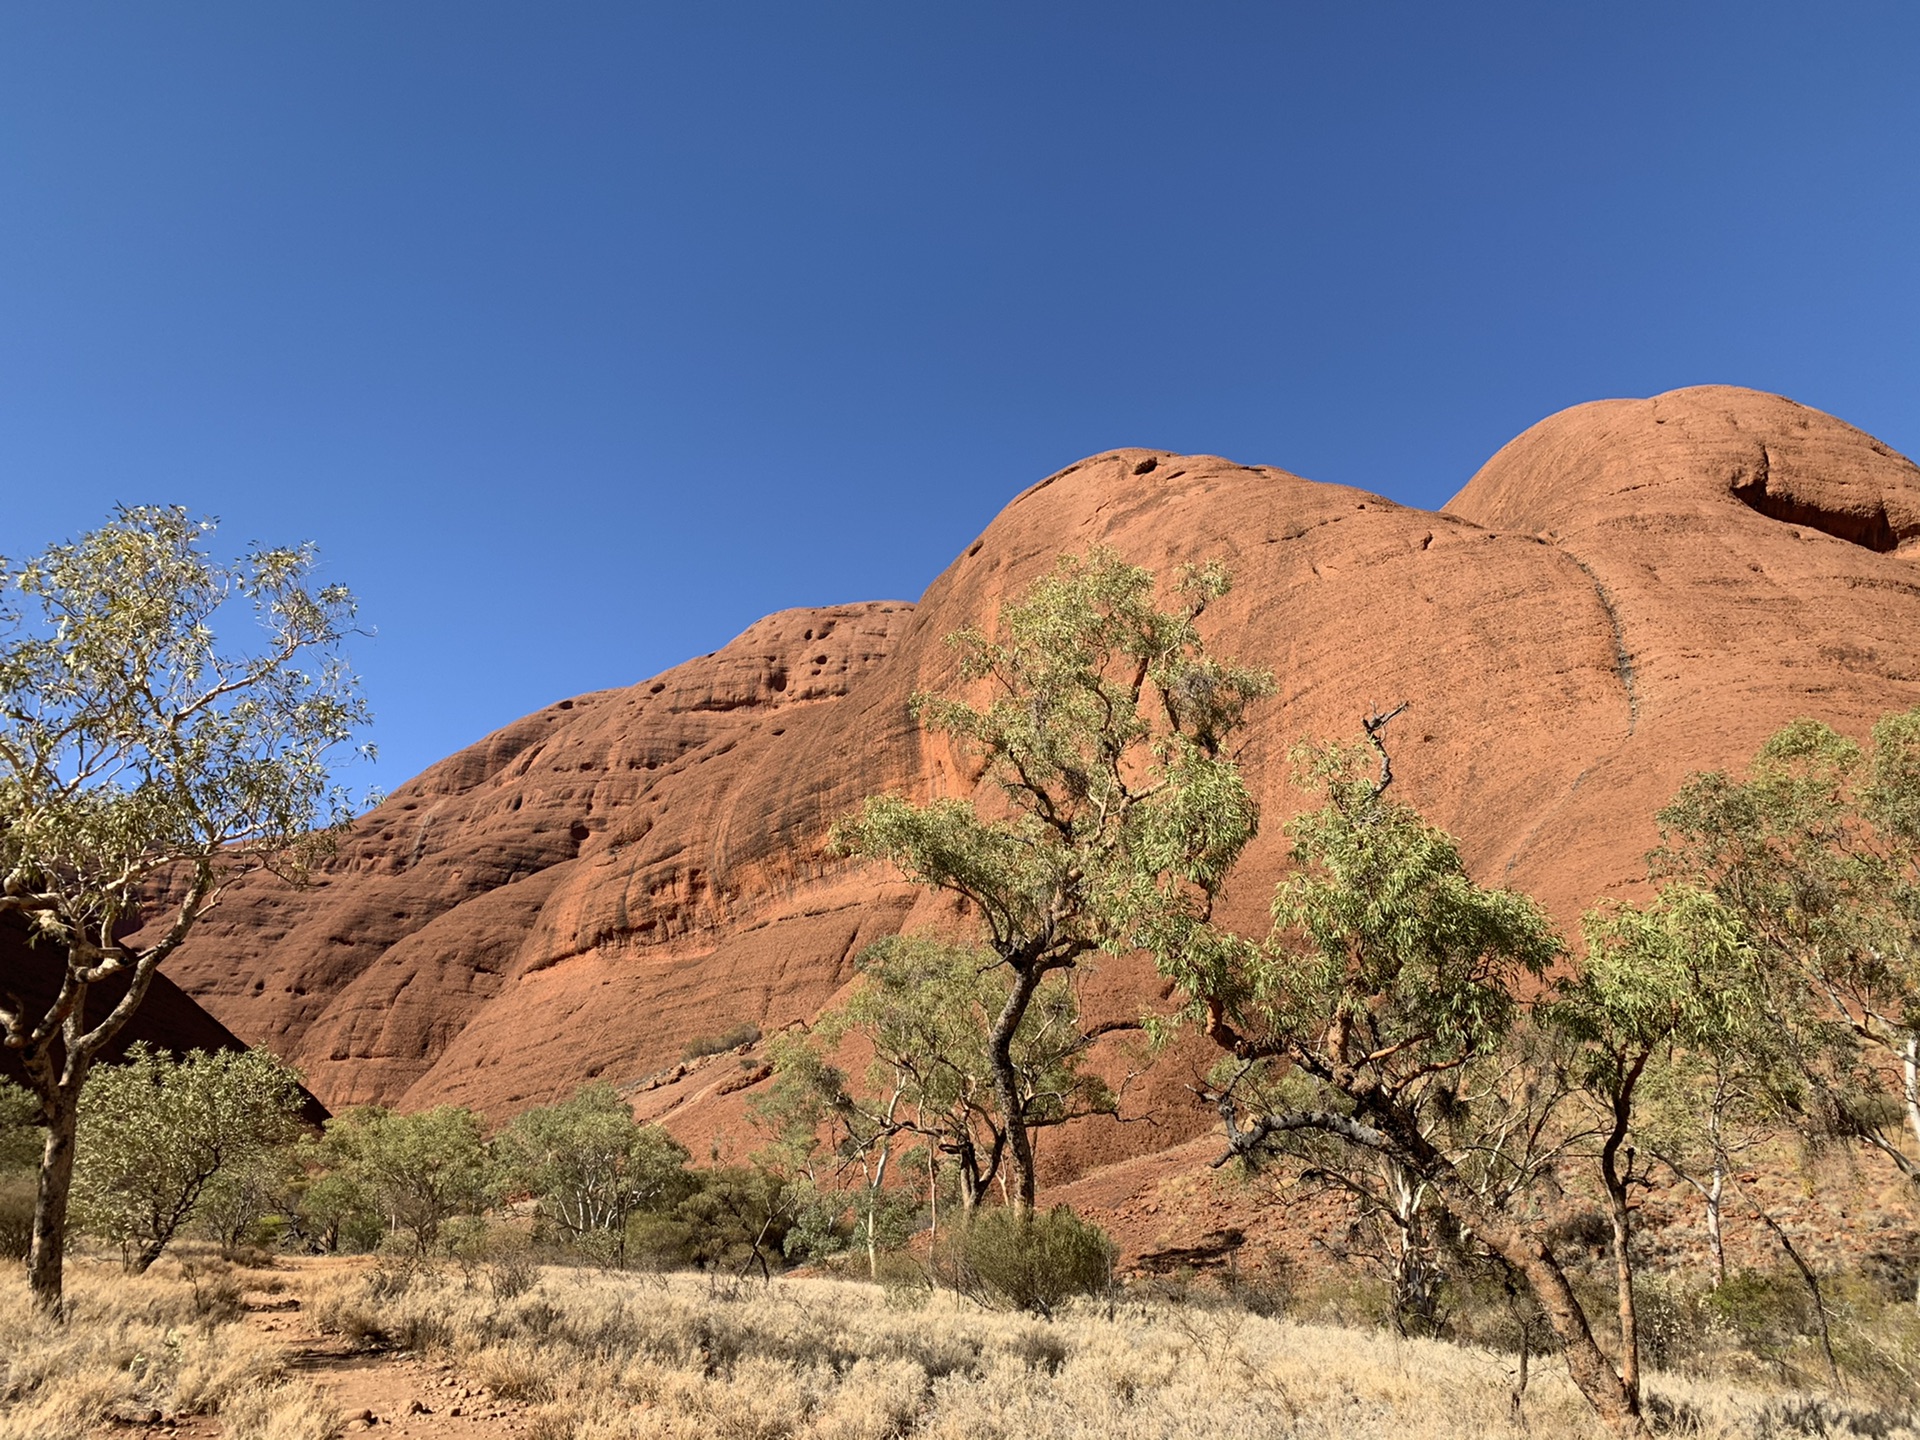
619	1357
599	1356
135	1345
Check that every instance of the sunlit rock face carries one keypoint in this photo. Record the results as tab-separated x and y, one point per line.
1630	591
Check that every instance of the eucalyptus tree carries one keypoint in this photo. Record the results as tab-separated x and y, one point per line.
925	1009
415	1171
1391	983
1817	850
138	755
1111	802
591	1166
1667	991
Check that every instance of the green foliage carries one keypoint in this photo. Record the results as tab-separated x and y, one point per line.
20	1145
414	1172
16	1216
131	742
591	1166
1115	809
245	1205
332	1210
1103	729
1679	970
827	1222
140	755
1389	968
924	1008
20	1136
1026	1260
1815	852
737	1219
156	1132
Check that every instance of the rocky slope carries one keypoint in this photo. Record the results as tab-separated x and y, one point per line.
1630	591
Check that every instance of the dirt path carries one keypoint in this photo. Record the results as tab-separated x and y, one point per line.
385	1393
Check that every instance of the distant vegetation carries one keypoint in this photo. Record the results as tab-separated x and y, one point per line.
732	1038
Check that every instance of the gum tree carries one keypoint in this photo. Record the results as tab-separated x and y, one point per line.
591	1166
1816	850
1111	800
925	1008
1667	991
1391	984
138	753
417	1171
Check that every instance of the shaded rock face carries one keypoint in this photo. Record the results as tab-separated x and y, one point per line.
166	1020
1630	591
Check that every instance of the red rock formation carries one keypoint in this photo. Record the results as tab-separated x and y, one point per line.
1630	591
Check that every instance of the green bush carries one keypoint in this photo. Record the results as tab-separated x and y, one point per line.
658	1241
414	1172
737	1219
159	1133
591	1167
21	1138
20	1144
1031	1262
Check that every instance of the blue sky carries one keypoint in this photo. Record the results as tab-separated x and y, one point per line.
581	335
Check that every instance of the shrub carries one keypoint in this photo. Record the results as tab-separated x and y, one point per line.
737	1220
591	1167
658	1242
158	1133
419	1171
732	1038
1026	1262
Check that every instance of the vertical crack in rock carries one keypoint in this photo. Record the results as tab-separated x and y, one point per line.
1622	657
420	839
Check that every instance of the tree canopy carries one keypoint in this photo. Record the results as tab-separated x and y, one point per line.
1113	805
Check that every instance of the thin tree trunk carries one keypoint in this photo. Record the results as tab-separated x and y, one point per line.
1621	1217
1713	1224
1910	1058
1006	1086
1518	1394
873	1206
1812	1283
1623	1291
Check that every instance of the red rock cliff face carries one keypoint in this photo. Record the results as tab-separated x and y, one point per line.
1630	591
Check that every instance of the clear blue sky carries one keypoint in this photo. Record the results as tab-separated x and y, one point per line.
580	335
